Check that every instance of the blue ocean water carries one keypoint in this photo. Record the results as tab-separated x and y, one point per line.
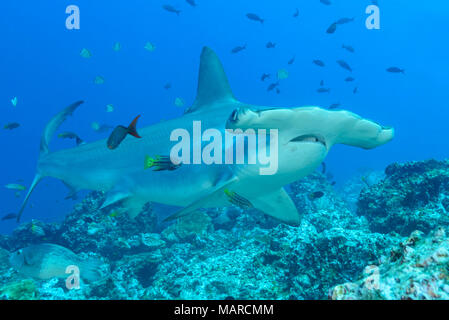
41	65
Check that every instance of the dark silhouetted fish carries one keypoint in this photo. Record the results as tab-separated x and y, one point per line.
278	91
9	216
170	8
120	133
296	14
344	65
272	86
322	83
315	195
323	167
238	49
270	45
323	90
332	28
348	48
349	79
344	20
356	89
326	2
167	86
334	106
71	135
11	126
292	60
318	63
191	2
264	76
254	17
395	70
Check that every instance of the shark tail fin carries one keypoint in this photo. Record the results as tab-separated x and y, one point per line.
36	181
48	133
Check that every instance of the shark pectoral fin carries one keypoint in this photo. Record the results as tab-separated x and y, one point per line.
203	202
279	205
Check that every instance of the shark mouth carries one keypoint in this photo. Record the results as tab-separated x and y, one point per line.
310	138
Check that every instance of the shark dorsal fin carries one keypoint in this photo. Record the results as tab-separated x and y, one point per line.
213	85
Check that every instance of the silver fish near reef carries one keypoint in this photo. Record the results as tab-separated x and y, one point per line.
238	49
318	63
46	261
395	70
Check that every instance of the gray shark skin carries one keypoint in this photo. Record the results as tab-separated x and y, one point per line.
306	134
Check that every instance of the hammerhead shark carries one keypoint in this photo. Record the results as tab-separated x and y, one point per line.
305	136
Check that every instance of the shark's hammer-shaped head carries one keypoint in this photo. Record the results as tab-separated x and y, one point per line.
306	134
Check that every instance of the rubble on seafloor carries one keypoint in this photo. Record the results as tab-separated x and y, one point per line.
390	244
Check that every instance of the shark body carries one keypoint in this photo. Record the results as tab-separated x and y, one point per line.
305	136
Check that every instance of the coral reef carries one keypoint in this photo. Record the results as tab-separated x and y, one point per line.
413	196
336	252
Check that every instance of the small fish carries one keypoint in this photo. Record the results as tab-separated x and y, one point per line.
11	126
395	70
282	74
278	91
296	14
99	80
45	261
264	76
179	102
319	63
332	28
344	20
14	101
149	46
120	133
272	86
344	65
160	163
254	17
292	60
365	180
315	195
322	83
71	135
117	46
323	90
356	89
270	45
334	106
109	108
348	48
191	2
9	216
17	194
333	183
349	79
238	200
323	167
326	2
167	86
85	53
15	186
238	49
101	127
170	8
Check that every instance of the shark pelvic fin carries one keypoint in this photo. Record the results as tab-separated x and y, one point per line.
114	196
213	85
216	193
279	205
